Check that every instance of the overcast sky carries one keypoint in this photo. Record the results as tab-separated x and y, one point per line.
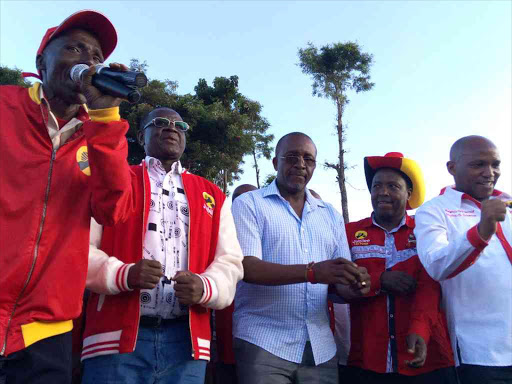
442	70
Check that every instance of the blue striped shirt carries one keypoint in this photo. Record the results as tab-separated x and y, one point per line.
280	319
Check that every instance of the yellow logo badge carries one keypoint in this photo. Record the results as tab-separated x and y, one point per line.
360	235
82	158
210	201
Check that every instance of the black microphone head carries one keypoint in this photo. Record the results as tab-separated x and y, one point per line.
141	80
77	71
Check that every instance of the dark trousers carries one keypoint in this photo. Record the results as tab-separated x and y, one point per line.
478	374
254	365
355	375
44	362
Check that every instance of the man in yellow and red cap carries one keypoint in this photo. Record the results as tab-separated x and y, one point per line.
61	165
400	319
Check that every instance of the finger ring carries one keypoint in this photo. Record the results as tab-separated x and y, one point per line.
363	283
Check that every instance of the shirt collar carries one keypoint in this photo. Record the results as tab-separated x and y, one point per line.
406	220
153	162
82	114
457	196
272	190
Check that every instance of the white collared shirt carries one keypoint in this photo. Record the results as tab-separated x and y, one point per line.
58	136
478	299
166	237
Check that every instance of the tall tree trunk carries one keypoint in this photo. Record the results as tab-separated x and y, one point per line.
341	164
257	169
225	181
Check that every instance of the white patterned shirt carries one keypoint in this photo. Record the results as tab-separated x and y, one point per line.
166	238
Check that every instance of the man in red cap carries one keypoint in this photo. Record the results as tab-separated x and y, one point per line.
394	325
58	160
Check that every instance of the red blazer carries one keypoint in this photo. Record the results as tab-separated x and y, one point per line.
373	326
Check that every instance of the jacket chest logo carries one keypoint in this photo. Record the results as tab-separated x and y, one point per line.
361	238
209	203
82	158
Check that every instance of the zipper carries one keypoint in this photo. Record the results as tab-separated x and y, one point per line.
36	249
143	235
196	356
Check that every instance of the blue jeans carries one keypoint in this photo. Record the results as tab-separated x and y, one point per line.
163	355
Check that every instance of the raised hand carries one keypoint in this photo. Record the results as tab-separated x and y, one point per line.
95	98
493	211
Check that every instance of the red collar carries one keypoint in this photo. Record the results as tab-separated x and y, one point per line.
465	196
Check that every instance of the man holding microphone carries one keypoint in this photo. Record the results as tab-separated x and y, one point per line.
57	158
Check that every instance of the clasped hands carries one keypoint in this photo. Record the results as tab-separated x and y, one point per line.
146	274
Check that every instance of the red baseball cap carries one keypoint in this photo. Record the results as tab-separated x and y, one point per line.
90	20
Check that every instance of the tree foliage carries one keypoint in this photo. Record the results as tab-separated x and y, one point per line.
335	69
225	125
10	76
269	179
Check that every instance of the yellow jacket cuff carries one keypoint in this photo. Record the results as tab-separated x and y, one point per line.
105	115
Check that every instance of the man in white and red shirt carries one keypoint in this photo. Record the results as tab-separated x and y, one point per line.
158	274
464	241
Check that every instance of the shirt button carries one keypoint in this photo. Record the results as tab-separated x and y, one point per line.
306	250
391	315
392	337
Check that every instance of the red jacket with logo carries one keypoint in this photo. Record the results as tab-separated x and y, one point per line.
47	198
374	326
112	321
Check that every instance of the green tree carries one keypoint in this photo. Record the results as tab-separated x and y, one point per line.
336	69
10	76
225	125
232	129
269	179
257	128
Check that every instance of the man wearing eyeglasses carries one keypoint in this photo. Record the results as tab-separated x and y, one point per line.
294	246
156	276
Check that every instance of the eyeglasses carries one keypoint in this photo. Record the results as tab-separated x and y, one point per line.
292	160
161	122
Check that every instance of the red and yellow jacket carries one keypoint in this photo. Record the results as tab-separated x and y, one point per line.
377	321
47	198
113	319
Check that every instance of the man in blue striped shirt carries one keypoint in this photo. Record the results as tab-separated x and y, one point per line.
291	241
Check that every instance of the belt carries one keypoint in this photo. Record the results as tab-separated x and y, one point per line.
157	321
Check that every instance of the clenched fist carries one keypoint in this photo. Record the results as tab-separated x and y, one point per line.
398	283
145	274
188	287
493	210
95	98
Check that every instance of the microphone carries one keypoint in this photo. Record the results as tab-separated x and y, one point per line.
115	83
